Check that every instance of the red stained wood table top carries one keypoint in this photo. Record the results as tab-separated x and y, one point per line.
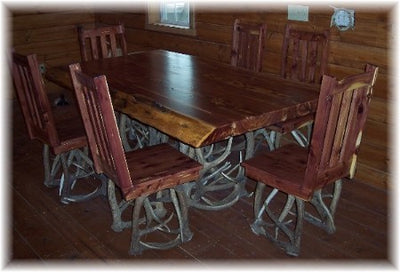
195	100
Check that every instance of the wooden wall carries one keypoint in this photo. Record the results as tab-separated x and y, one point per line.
53	37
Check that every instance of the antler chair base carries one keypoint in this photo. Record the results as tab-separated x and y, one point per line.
165	212
284	227
66	169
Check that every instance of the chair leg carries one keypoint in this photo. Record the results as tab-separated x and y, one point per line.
155	218
64	189
165	226
258	198
325	204
117	208
186	233
51	170
77	165
285	232
136	246
58	171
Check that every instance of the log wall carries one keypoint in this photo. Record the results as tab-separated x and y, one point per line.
53	36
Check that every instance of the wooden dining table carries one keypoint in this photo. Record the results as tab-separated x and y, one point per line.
197	101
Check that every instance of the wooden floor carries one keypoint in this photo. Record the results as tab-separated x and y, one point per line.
45	230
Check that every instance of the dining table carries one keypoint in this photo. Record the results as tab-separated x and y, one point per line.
202	105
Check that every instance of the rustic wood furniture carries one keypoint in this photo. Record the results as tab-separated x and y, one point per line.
62	136
304	58
248	41
248	45
108	42
302	173
155	170
102	42
199	103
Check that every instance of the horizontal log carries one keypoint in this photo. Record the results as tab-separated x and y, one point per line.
51	20
376	133
49	50
340	53
130	20
369	33
273	42
214	32
38	35
218	18
273	65
379	110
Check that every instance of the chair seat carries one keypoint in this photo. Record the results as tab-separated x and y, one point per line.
283	168
158	167
288	126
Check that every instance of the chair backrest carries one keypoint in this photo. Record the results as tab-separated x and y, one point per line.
304	55
248	45
33	99
102	42
101	128
339	121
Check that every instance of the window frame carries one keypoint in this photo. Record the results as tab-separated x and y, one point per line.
153	21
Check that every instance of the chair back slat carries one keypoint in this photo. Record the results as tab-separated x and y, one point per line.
101	128
102	42
304	55
33	99
248	45
340	117
331	128
343	113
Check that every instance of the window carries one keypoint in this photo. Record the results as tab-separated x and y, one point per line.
171	16
175	13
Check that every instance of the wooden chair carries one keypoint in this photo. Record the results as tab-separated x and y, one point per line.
102	42
248	41
63	135
150	177
305	59
107	42
302	173
248	45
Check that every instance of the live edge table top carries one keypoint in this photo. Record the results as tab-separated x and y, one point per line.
195	100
